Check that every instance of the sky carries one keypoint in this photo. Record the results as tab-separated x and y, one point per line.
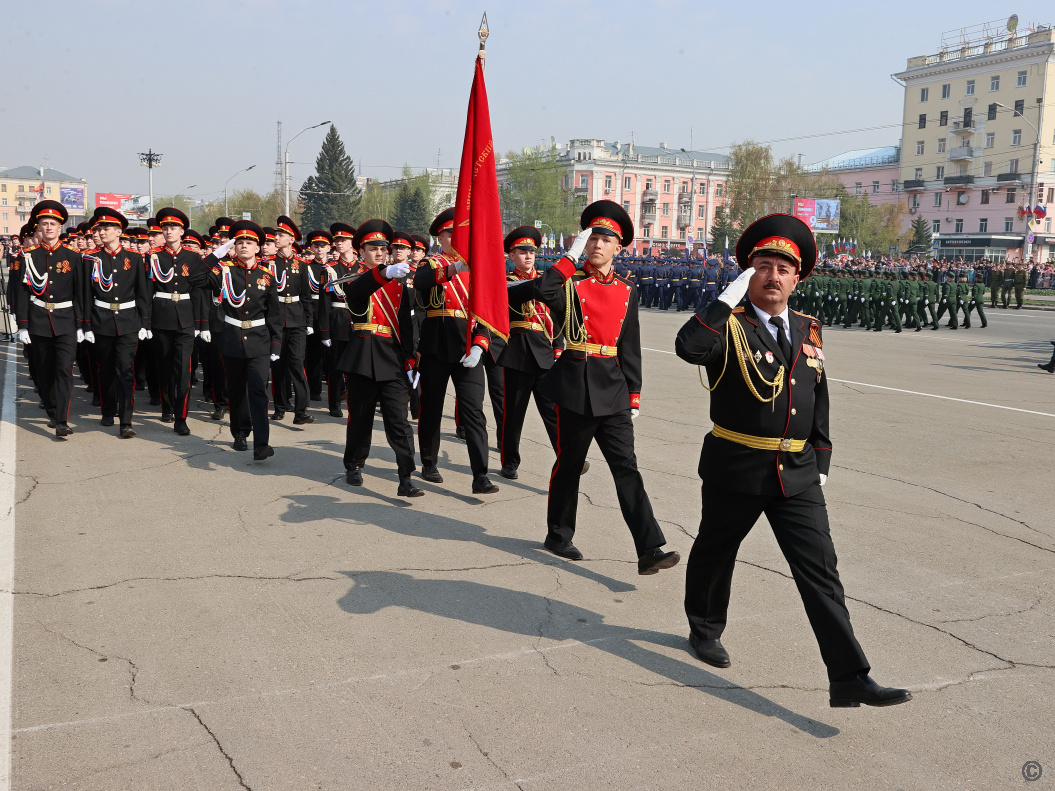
204	83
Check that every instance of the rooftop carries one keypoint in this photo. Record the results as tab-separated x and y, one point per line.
34	172
860	158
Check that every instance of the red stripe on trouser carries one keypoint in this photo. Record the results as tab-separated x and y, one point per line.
556	462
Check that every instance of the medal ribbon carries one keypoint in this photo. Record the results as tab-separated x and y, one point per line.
105	283
313	283
280	283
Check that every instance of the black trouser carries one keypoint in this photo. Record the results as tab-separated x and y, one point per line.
52	358
495	377
289	370
800	524
335	385
363	395
615	437
314	355
469	390
217	378
146	370
172	352
115	357
247	392
519	387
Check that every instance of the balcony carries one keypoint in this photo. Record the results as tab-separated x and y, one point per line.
961	152
648	212
579	191
684	219
649	196
912	184
951	181
960	126
685	198
1012	177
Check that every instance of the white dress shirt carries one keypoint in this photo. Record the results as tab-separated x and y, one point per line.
765	317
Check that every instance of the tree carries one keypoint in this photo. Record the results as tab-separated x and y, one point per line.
721	229
409	209
332	194
533	189
921	241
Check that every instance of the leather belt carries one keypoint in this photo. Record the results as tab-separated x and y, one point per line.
289	300
314	296
50	306
435	314
376	329
339	304
114	306
759	443
527	325
175	296
245	325
594	349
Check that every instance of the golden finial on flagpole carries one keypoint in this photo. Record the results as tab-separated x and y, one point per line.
483	33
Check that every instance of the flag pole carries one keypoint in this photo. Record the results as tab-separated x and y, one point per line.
483	33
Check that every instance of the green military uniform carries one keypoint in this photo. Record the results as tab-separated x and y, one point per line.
1007	283
995	280
889	306
950	299
929	300
910	298
1021	278
975	301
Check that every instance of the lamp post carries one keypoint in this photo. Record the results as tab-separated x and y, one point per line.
192	186
190	207
692	199
285	167
1027	247
243	170
150	160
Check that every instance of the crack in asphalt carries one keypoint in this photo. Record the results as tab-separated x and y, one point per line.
1032	606
548	620
288	578
33	488
132	668
491	760
220	747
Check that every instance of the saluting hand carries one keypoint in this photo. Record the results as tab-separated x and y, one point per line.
736	290
579	245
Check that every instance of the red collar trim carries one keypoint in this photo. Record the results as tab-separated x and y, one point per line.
596	275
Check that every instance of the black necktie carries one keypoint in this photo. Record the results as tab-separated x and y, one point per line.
782	338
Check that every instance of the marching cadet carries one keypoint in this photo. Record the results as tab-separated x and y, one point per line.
270	245
178	281
534	344
251	337
950	301
910	300
336	321
975	301
1021	279
417	255
214	380
441	286
1007	283
769	452
928	300
294	298
596	383
120	318
314	263
379	356
52	312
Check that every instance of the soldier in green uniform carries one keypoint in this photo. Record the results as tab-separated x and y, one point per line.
910	299
1021	278
1007	283
950	301
995	281
889	294
928	290
975	301
841	297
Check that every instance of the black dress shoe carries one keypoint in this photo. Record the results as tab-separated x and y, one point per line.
585	467
278	414
564	549
459	432
155	401
301	418
261	452
316	396
509	471
52	422
353	477
336	413
1049	367
239	442
655	559
711	652
431	474
127	432
63	430
851	694
483	485
408	489
95	399
218	413
108	420
167	417
182	428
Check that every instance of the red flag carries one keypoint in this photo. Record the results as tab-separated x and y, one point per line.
477	235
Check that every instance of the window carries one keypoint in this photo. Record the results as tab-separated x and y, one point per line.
946	91
584	181
647	231
990	139
48	190
914	203
1012	166
1020	106
700	233
666	209
922	120
666	186
685	186
970	87
21	187
608	183
627	182
681	233
701	212
3	188
895	186
718	190
5	216
919	148
983	225
968	118
943	118
918	176
987	169
937	199
648	184
663	232
941	146
1009	224
957	226
991	113
626	206
935	226
924	94
962	170
1052	168
3	201
1012	196
1051	194
857	188
875	187
994	83
1021	81
985	196
939	172
1047	225
703	188
1016	137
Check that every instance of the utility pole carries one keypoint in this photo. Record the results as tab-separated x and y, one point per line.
279	167
150	160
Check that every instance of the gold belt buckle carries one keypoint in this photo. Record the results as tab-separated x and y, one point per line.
785	444
247	325
115	306
604	350
289	300
175	297
49	306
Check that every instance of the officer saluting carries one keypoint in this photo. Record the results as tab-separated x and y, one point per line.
294	297
769	452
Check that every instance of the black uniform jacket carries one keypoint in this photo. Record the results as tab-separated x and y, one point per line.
534	342
444	298
294	292
119	298
258	327
603	370
185	277
381	346
335	322
61	306
799	413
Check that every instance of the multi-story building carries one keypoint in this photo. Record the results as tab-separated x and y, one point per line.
872	172
979	141
22	187
670	194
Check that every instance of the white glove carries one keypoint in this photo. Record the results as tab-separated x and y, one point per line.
824	479
275	358
634	412
327	343
144	333
206	335
196	333
311	331
89	336
150	333
472	359
413	377
579	245
926	302
396	271
80	336
735	291
223	249
458	267
23	336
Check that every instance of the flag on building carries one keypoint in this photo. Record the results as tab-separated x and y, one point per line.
1040	212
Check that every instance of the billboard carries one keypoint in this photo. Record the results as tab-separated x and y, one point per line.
134	207
72	198
821	215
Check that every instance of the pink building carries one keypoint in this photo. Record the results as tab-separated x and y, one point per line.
873	172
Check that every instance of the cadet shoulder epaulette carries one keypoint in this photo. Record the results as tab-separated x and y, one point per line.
30	248
806	316
738	309
216	270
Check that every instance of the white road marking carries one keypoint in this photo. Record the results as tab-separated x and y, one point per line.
912	392
7	561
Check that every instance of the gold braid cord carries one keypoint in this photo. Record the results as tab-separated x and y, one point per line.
734	331
574	331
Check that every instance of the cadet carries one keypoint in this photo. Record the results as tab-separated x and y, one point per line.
1021	278
295	303
336	321
319	243
1007	283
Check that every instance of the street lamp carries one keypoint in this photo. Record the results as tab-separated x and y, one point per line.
692	202
285	166
228	182
1027	246
150	160
192	186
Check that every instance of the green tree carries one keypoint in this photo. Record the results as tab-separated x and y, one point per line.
409	206
332	194
533	189
921	240
721	229
375	204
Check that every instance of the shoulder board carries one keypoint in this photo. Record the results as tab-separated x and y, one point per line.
30	249
806	316
625	281
93	250
216	270
738	309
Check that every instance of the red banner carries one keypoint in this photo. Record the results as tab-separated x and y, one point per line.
477	236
